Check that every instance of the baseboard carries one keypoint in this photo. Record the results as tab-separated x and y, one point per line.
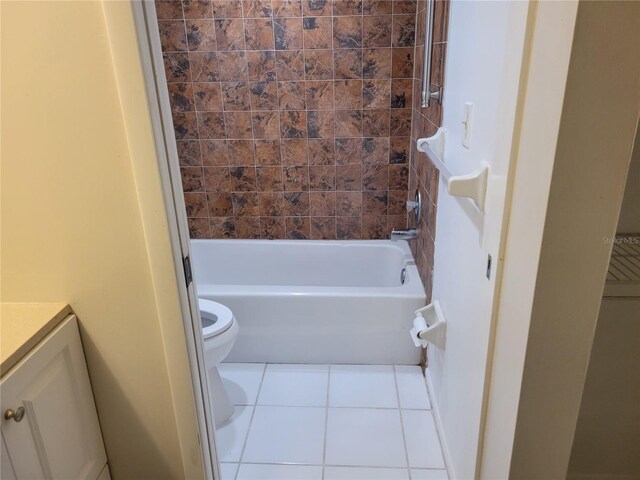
436	416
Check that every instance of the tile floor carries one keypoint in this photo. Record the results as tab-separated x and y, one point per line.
331	422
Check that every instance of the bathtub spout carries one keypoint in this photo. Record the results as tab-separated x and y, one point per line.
403	234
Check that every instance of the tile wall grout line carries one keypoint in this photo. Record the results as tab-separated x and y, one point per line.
306	149
277	109
333	141
361	49
361	163
188	51
255	170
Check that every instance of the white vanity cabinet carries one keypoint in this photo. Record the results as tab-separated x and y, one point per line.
49	426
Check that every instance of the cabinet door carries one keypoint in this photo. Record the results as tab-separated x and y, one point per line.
6	469
59	436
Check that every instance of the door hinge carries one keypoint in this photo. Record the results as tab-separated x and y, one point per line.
186	265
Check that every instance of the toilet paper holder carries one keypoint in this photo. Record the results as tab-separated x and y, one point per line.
429	326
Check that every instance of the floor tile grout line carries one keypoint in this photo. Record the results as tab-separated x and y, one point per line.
326	421
293	464
333	406
326	407
404	436
439	434
253	413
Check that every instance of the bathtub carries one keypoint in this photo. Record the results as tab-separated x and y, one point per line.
314	301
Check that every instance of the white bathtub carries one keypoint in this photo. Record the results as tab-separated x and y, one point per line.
314	301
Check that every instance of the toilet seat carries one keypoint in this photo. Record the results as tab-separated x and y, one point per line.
216	318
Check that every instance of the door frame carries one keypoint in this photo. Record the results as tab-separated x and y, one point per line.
555	260
150	51
159	110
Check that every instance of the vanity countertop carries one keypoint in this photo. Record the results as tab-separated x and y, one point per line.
23	325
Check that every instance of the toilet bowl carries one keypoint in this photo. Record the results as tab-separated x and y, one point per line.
219	331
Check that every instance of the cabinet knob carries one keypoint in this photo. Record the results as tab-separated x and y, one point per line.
17	415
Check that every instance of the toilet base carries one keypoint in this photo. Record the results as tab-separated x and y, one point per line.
221	406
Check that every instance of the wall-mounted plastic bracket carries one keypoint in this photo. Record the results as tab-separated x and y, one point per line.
429	326
473	186
435	143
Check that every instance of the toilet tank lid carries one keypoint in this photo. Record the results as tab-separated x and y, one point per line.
216	318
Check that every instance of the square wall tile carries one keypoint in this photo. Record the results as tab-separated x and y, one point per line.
299	82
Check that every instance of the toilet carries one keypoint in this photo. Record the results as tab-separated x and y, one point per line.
219	331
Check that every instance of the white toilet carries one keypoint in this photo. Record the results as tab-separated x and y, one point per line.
219	331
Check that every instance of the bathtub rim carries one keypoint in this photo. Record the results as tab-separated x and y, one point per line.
402	245
412	288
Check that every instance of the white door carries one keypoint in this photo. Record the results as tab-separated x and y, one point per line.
484	58
166	148
59	435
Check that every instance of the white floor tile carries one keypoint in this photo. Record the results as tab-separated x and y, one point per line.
295	385
364	437
242	381
252	471
423	445
362	386
228	471
286	435
230	437
419	474
412	389
361	473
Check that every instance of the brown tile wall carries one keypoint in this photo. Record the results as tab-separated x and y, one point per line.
292	117
425	121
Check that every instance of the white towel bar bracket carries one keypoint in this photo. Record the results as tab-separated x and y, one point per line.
473	185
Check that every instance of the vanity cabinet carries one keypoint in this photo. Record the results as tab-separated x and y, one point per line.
50	427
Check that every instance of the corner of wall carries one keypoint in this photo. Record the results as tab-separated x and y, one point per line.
423	176
584	201
121	29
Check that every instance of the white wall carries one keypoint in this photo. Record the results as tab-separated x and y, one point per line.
563	140
484	56
629	221
146	162
590	168
551	30
74	228
607	440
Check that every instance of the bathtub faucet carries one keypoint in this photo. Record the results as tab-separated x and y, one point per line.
403	234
